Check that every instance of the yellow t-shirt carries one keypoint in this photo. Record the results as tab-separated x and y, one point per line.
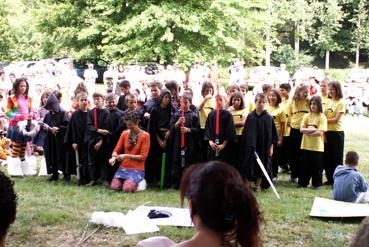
332	109
325	100
279	116
237	116
317	121
203	114
249	103
296	111
285	105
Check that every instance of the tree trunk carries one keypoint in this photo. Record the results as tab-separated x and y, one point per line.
297	38
357	56
327	59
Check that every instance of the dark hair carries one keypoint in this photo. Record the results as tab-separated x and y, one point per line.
244	86
237	95
81	87
352	158
318	102
110	96
173	87
259	96
187	95
337	87
98	95
205	86
11	74
1	96
133	116
129	97
279	98
58	94
8	204
16	84
362	235
2	72
265	87
44	95
225	205
285	86
125	83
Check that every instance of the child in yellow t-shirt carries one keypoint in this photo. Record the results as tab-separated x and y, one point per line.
298	107
335	111
313	126
284	90
279	117
239	114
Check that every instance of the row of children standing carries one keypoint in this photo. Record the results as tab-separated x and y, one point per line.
240	131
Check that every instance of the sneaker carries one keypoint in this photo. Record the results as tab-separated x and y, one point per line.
292	180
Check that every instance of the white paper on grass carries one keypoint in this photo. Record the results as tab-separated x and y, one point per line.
327	208
180	216
129	222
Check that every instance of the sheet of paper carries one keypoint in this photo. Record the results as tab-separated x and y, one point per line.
328	208
180	216
135	225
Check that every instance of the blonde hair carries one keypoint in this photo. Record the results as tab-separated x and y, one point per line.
299	89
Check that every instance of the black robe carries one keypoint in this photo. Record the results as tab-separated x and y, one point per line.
227	132
54	148
122	123
121	105
191	122
258	135
76	132
147	108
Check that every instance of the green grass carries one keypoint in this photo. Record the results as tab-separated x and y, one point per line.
55	214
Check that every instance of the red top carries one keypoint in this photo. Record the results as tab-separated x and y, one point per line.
141	148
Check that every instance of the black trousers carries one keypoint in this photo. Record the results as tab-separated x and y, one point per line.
311	168
97	164
295	153
276	160
333	153
285	158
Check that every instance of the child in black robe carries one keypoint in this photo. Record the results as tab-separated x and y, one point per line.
96	138
113	127
159	130
131	102
75	137
259	135
227	133
55	125
191	127
125	88
155	88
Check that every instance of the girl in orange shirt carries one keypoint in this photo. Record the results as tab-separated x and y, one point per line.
136	145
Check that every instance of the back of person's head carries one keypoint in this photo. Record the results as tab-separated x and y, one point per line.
362	236
8	204
352	158
219	197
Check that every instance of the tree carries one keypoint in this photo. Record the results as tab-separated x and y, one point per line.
361	30
329	16
6	41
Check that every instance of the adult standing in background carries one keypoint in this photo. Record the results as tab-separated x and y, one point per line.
90	76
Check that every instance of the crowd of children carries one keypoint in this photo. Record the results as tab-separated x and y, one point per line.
300	133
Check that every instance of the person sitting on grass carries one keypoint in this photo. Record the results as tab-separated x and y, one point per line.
223	210
8	206
349	184
136	145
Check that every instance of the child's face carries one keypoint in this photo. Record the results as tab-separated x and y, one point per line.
44	99
208	91
284	93
313	106
243	91
231	91
125	90
186	104
332	92
266	92
165	100
132	104
259	104
111	103
323	88
303	94
99	102
236	102
155	92
22	87
222	101
272	98
82	102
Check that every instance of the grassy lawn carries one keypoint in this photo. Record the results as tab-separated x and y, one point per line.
55	214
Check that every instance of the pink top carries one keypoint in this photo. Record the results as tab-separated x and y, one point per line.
22	105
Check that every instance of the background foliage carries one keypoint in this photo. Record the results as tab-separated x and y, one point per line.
181	31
